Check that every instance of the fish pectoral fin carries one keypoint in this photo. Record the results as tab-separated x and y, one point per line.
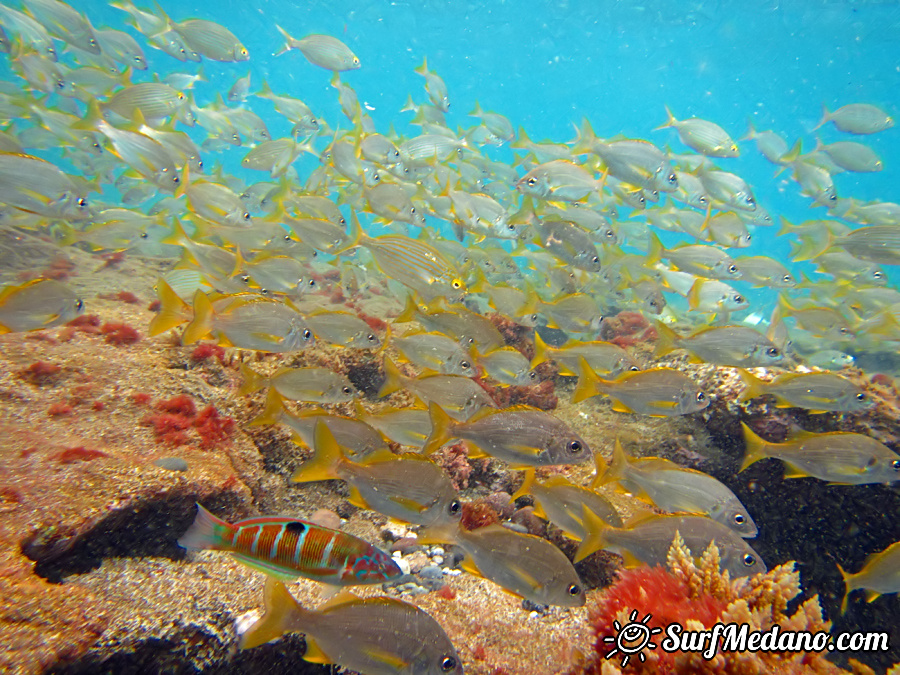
630	559
314	653
618	406
523	574
872	595
388	658
266	568
469	566
527	450
357	499
410	504
791	471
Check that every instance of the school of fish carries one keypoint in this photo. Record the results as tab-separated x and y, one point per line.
433	236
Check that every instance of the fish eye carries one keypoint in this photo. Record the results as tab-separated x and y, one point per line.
243	52
634	369
92	42
311	283
81	201
371	338
861	397
532	375
342	221
533	317
877	274
701	397
307	334
245	215
60	84
79	304
176	179
413	210
673	179
532	182
574	446
245	278
465	365
895	465
702	200
144	235
347	390
843	331
573	589
772	351
787	278
456	284
739	519
595	259
732	269
510	227
738	298
455	506
355	61
448	663
264	291
748	560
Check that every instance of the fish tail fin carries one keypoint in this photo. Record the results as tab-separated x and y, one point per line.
585	138
756	448
595	534
540	351
409	310
616	470
588	383
522	141
751	130
848	589
282	613
668	340
423	69
325	460
655	249
754	387
93	117
393	379
527	484
274	410
253	381
793	154
441	428
201	325
265	91
670	120
356	235
206	532
826	117
289	42
694	295
173	311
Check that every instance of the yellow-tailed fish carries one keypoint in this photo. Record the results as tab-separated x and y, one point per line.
559	180
722	345
65	23
406	426
836	457
817	392
880	575
563	503
660	392
602	357
434	86
388	636
857	118
765	271
508	366
520	436
705	137
702	260
342	328
470	328
527	566
408	487
36	304
460	396
211	40
646	541
674	488
436	352
313	385
324	51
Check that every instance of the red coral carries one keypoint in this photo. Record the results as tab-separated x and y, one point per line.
213	428
446	592
627	329
118	333
514	334
537	395
182	404
478	513
208	350
112	259
454	460
374	322
40	373
127	297
59	409
78	454
60	269
98	405
155	306
140	398
169	428
647	590
479	653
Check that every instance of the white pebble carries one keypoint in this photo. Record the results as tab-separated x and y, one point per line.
451	573
438	559
403	564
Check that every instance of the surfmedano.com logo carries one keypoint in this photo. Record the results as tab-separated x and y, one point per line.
632	638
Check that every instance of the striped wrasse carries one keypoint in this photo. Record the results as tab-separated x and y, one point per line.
287	548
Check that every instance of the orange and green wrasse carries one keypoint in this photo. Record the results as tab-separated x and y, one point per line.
603	357
376	636
674	488
408	487
460	396
837	457
521	436
738	346
287	548
879	576
817	392
562	503
646	541
660	392
523	564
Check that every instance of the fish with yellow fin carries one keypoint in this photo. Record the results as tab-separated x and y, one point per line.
880	575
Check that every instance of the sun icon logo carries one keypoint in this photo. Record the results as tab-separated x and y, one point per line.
632	638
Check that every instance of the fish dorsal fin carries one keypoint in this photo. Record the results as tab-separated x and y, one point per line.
343	597
557	480
484	412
